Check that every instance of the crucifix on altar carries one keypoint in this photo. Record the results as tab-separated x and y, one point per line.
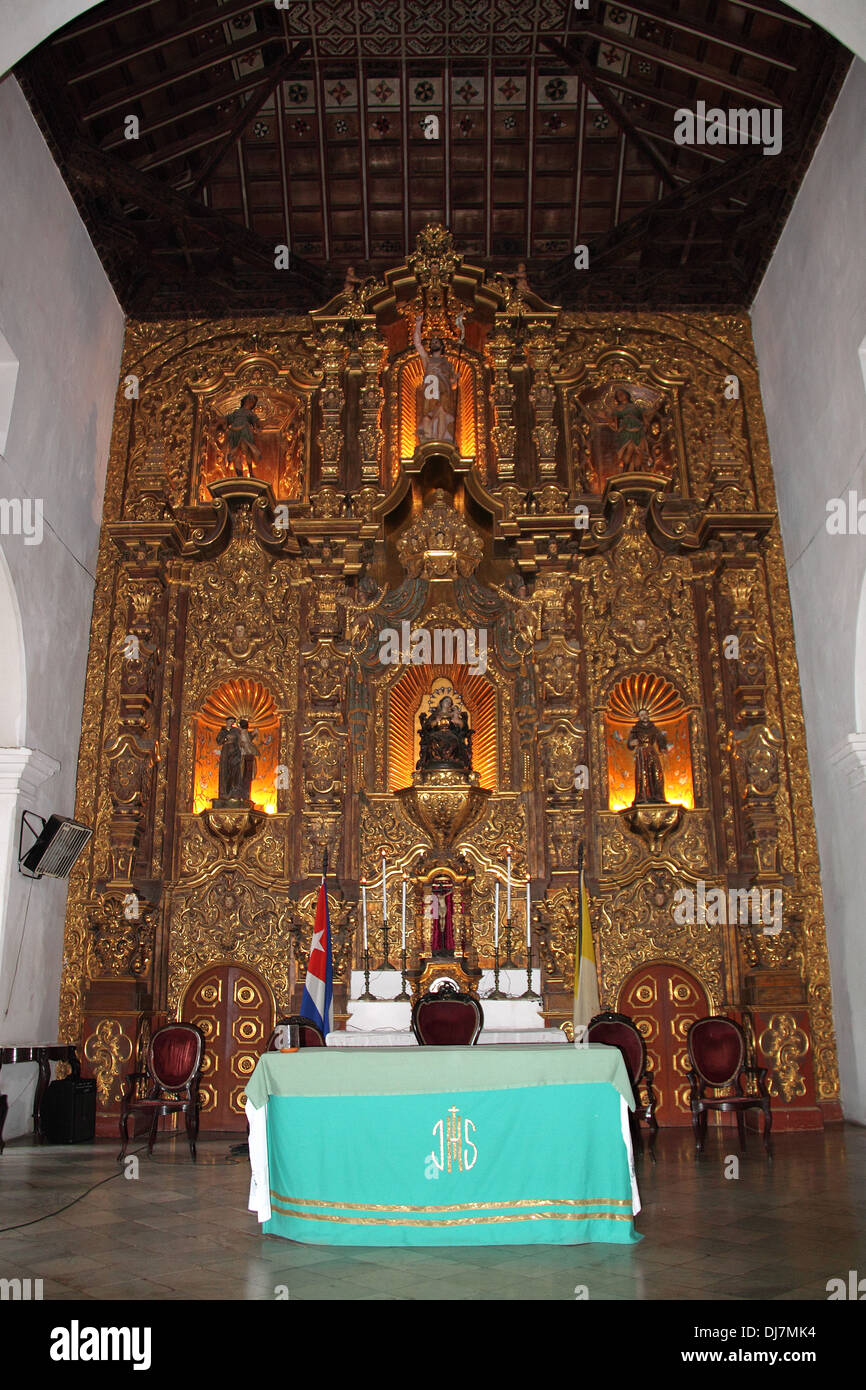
442	897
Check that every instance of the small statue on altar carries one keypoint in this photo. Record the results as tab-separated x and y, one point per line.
648	741
442	916
241	441
437	396
445	737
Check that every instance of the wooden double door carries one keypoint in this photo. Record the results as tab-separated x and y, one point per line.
665	1000
233	1007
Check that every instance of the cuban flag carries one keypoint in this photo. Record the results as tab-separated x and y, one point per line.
318	1001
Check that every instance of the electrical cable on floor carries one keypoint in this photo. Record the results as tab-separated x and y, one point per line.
60	1210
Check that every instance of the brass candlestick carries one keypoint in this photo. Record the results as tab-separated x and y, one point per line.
529	992
497	992
403	992
367	995
386	963
509	961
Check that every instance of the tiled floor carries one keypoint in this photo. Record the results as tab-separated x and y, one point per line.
778	1231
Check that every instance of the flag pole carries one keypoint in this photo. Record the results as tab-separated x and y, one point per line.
324	863
580	852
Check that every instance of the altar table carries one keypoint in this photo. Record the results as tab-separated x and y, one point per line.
443	1146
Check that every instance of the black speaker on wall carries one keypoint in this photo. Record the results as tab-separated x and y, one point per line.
69	1111
57	845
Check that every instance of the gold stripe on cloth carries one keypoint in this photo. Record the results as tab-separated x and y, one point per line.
457	1220
456	1206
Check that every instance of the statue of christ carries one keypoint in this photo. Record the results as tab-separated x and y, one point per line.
437	403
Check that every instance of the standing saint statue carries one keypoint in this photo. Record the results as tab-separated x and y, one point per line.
241	443
437	405
648	741
231	762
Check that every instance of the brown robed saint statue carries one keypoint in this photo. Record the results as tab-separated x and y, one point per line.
238	761
648	741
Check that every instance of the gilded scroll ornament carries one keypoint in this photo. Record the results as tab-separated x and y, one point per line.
784	1045
107	1049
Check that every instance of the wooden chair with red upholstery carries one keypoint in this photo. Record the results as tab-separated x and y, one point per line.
298	1032
618	1030
717	1052
447	1018
168	1085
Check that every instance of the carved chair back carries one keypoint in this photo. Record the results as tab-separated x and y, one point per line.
174	1056
717	1050
618	1030
447	1018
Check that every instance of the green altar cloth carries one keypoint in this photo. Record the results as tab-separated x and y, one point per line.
443	1146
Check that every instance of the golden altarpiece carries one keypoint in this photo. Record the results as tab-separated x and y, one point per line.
594	526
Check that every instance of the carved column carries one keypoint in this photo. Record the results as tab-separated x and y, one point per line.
333	397
121	917
370	434
505	430
545	435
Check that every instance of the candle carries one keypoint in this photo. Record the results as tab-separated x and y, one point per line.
403	940
496	917
364	911
527	913
508	890
384	893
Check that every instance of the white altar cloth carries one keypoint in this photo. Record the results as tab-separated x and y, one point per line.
369	1037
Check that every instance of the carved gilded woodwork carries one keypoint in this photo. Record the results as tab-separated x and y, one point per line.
784	1045
108	1050
670	565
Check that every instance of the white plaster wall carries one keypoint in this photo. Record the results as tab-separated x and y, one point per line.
809	319
61	319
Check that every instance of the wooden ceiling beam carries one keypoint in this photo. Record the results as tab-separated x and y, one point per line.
213	96
633	88
188	29
645	9
97	169
108	14
681	62
576	60
117	101
176	150
278	72
684	201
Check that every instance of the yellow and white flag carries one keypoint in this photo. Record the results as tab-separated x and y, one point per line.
586	1004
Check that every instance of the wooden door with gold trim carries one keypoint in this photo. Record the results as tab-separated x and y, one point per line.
664	1000
233	1007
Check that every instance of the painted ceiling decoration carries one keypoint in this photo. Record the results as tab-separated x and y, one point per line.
338	128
